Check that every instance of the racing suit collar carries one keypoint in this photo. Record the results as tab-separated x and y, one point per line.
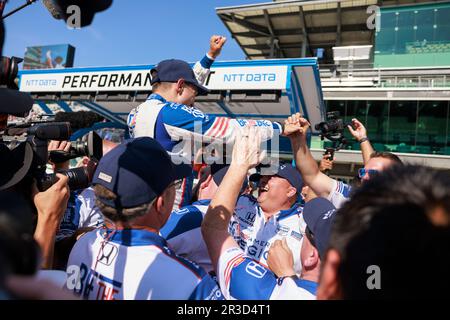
155	96
133	237
282	214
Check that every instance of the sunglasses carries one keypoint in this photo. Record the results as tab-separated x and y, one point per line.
371	172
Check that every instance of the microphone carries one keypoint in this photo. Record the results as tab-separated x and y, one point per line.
54	8
79	120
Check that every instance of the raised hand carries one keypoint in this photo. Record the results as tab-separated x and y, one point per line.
215	45
295	126
247	148
359	132
326	163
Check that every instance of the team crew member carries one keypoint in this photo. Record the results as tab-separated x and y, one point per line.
183	229
319	215
241	277
134	188
274	215
335	191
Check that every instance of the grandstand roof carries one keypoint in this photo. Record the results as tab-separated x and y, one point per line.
288	29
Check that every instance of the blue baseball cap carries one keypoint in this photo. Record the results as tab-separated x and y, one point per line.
137	171
172	70
287	171
319	215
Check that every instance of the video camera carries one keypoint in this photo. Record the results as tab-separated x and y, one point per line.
35	136
333	130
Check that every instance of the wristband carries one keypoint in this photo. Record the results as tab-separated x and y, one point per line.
363	140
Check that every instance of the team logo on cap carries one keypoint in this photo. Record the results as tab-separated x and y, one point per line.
105	177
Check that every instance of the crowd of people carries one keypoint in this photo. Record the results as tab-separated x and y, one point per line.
152	226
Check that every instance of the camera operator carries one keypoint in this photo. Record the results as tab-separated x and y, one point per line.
51	205
335	191
81	216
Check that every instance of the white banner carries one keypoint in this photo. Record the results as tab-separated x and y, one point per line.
227	78
244	78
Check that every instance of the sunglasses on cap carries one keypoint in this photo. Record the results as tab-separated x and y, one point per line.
371	172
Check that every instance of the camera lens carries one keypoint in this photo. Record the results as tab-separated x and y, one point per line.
80	148
78	178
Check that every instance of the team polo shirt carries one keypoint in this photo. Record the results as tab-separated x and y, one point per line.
340	193
184	235
243	278
136	264
255	235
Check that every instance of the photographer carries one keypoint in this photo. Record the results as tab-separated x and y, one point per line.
335	191
51	205
81	215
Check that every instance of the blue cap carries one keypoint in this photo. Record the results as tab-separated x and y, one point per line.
172	70
218	172
137	171
319	215
286	171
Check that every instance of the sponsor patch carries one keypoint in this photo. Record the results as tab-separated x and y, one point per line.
105	177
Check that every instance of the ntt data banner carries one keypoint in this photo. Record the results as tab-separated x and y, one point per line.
244	78
224	78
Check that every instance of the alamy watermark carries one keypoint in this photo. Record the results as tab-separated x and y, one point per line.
374	280
374	19
74	17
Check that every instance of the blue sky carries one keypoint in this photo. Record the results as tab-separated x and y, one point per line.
129	32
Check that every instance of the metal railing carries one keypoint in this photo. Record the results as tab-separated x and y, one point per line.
332	75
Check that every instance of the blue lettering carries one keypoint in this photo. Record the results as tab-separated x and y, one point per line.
241	122
249	77
41	82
